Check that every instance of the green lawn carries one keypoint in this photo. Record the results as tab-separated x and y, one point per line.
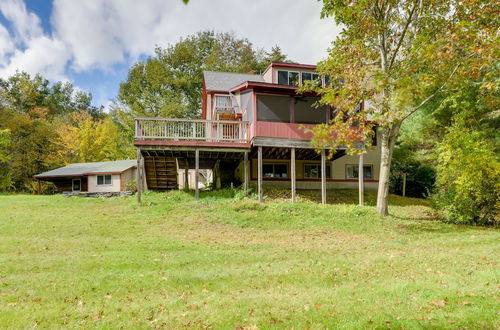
224	262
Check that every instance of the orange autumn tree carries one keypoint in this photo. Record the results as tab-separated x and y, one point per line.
397	56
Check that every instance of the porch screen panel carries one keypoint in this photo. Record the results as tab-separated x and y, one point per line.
247	106
305	113
273	108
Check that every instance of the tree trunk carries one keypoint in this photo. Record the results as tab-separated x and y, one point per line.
389	136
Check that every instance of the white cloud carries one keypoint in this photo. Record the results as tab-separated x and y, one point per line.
98	34
42	55
6	44
102	32
26	25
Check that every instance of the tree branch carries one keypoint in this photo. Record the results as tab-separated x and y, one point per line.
403	33
430	97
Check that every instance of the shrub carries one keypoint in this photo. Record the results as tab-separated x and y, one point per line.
45	187
468	177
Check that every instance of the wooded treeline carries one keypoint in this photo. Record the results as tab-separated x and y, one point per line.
46	125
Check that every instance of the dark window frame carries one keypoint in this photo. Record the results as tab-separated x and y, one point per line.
274	170
364	172
104	177
328	171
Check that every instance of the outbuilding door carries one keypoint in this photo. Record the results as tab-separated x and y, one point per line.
77	185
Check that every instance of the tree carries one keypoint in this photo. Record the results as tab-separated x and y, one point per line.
5	175
399	55
85	139
30	146
468	176
170	83
22	93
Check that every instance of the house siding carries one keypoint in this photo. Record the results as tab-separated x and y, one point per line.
128	176
113	187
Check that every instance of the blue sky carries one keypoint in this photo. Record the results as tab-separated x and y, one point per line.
93	43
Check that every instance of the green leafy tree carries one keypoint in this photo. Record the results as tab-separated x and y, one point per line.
399	55
5	175
468	176
30	149
22	92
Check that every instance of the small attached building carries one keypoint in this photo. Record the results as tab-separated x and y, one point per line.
114	176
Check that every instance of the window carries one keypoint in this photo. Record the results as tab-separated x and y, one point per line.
307	113
283	77
293	78
352	171
313	171
311	76
103	179
223	103
274	108
327	80
290	78
275	170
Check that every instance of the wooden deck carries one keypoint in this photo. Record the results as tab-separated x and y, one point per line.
191	132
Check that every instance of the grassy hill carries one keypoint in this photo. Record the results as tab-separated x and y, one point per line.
228	262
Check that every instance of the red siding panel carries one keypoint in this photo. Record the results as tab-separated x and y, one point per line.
282	130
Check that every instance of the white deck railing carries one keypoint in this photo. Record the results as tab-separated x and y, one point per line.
191	130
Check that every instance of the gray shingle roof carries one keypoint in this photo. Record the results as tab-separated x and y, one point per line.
224	81
90	168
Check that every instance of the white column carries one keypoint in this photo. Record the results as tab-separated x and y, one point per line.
245	169
196	171
361	181
292	154
323	177
138	174
259	173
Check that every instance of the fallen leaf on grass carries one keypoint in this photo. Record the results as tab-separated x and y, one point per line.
439	303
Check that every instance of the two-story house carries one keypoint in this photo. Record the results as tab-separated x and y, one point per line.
252	130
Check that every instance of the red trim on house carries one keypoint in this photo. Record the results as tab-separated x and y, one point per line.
121	181
270	88
190	143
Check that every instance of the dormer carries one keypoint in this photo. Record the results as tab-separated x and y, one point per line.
292	74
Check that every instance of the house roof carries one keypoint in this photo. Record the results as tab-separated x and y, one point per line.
82	169
224	81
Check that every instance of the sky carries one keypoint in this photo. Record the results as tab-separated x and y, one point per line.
93	43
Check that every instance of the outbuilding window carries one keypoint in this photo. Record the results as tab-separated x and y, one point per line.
103	179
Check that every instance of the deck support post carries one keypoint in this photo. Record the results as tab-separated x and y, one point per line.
245	170
139	177
39	188
259	173
196	171
292	161
186	174
217	179
323	177
360	181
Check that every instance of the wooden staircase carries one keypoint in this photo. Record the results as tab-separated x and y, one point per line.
161	172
